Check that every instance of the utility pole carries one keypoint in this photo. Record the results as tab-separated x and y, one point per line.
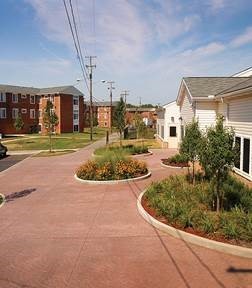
111	87
125	93
90	68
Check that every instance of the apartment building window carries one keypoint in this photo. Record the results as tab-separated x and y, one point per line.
2	97
76	101
76	115
32	113
14	113
14	98
2	113
23	110
23	96
76	128
32	99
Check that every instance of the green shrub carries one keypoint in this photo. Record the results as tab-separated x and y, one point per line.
111	167
178	158
185	205
128	149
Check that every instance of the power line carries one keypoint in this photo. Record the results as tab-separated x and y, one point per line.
75	44
77	37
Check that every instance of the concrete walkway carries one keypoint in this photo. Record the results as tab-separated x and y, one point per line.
62	233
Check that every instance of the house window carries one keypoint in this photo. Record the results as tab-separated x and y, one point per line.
76	128
32	99
2	113
32	113
23	96
172	119
14	98
75	100
246	155
14	113
238	147
2	97
173	131
23	110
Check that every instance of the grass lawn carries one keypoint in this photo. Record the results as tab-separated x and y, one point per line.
62	141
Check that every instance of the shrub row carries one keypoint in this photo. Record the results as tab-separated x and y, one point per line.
129	149
176	160
184	205
114	169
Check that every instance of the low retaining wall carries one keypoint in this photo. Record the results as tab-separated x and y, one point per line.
112	181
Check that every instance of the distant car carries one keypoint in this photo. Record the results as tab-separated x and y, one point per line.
3	150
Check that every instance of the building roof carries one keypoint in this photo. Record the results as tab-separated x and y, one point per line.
138	109
240	86
102	103
204	86
40	91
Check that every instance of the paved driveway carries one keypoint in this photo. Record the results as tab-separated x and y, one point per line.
62	233
11	160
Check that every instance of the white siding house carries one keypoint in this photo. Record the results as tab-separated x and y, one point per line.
205	97
168	125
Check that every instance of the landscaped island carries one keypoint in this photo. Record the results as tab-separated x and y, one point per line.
178	203
128	149
177	160
111	166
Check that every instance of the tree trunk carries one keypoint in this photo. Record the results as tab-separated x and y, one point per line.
50	140
218	193
193	172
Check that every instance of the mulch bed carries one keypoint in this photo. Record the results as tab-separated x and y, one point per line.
180	165
190	230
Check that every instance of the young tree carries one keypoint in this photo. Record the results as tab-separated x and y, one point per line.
120	118
50	120
19	123
217	156
191	143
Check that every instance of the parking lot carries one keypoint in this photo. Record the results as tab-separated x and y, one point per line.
11	160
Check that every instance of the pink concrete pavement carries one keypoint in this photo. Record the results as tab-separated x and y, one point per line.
67	234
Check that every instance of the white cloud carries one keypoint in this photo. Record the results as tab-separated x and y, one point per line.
216	5
243	39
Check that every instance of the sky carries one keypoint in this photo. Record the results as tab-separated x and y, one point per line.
145	46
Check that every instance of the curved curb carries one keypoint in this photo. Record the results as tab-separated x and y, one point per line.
173	167
112	181
191	238
149	153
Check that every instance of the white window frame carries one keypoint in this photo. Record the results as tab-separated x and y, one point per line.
14	113
34	99
240	171
76	112
32	114
14	98
2	97
23	110
2	113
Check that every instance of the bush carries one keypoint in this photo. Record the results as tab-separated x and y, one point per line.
185	205
129	149
116	168
176	160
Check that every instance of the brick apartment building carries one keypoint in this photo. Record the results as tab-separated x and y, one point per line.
30	102
102	112
149	115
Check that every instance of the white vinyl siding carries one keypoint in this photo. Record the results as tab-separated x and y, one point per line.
222	109
186	110
206	114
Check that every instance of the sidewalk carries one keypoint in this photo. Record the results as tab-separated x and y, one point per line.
63	233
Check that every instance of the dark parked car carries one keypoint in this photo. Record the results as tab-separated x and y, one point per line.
3	150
